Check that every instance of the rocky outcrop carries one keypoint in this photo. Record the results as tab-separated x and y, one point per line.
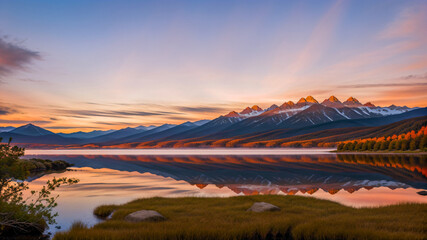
263	207
145	216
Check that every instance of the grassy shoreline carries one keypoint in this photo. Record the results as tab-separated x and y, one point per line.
227	218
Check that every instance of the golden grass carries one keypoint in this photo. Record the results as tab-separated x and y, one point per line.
104	211
227	218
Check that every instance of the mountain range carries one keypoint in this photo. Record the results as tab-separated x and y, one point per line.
289	119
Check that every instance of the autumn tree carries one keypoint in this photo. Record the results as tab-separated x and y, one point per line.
423	142
377	146
412	145
358	146
384	145
404	145
392	145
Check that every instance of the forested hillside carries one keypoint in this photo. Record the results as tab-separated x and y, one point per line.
412	140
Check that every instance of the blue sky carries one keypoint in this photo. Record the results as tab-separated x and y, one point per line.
172	61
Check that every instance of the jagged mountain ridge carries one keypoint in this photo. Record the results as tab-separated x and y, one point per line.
303	103
306	112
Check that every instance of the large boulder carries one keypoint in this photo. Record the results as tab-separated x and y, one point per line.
263	207
145	216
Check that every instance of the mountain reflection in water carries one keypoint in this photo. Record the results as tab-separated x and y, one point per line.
251	175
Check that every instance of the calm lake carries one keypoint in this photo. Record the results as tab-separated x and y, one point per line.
118	176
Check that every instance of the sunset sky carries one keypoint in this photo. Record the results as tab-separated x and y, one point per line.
85	65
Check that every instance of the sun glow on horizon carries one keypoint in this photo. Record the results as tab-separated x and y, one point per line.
152	64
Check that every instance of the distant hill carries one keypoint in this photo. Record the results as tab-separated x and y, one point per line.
41	139
86	135
160	133
6	129
31	130
122	133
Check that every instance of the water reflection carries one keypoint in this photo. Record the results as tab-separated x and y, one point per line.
354	180
273	174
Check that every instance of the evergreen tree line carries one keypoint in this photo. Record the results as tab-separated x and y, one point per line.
409	141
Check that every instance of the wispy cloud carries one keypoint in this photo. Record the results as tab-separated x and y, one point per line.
14	57
397	82
6	110
410	22
319	38
383	85
114	123
398	48
23	121
112	113
405	95
69	127
415	76
177	118
200	109
29	80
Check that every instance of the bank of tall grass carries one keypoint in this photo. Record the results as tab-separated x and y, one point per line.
227	218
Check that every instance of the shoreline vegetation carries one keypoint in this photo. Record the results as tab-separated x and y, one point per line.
228	218
412	141
424	151
37	166
27	216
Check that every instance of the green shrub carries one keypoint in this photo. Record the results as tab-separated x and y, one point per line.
104	211
29	215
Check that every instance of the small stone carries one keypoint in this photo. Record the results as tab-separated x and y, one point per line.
263	207
422	193
145	216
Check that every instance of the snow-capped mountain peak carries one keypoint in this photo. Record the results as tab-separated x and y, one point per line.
369	104
307	111
352	99
333	99
256	108
247	110
302	100
288	104
352	102
272	107
232	114
311	99
251	112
